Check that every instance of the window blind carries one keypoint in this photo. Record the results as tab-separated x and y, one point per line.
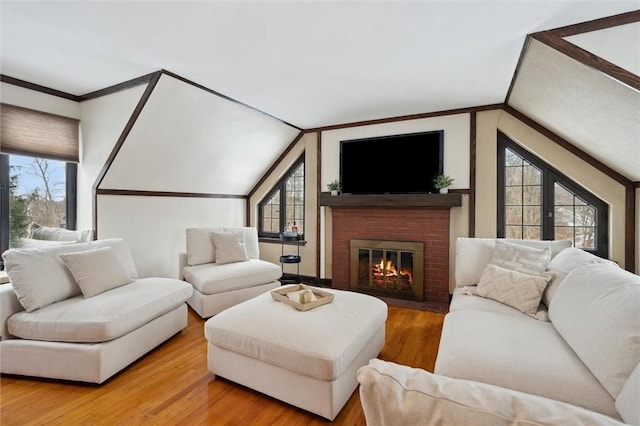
27	132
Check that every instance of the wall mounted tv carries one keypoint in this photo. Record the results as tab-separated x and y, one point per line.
398	164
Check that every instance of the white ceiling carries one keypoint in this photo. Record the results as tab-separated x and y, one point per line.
309	63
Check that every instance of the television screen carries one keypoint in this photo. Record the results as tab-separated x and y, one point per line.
399	164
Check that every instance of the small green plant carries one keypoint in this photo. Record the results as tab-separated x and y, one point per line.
334	186
443	181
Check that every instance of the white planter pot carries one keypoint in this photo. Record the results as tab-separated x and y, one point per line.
444	190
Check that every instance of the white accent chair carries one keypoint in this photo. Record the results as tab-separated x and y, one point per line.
223	265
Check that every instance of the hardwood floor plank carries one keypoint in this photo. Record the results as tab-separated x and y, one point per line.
171	385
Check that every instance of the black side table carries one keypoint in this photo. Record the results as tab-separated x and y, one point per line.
290	259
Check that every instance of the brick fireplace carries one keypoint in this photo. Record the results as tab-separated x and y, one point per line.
428	225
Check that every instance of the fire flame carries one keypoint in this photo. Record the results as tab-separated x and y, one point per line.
388	269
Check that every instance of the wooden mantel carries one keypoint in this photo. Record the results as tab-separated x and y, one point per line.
392	200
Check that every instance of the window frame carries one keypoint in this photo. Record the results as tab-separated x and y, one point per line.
550	176
281	186
71	188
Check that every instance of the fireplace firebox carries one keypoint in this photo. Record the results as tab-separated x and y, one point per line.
387	268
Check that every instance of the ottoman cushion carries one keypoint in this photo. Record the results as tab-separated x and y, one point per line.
320	343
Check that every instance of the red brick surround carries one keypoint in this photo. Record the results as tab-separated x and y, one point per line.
423	224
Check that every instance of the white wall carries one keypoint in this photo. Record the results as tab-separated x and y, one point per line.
102	121
26	98
189	140
155	227
185	141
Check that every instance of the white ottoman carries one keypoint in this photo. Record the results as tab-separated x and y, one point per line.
308	359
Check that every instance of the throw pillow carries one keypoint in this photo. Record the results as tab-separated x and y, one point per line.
229	247
527	260
39	232
513	288
393	394
97	270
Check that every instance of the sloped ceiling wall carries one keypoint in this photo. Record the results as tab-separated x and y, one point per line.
188	140
590	109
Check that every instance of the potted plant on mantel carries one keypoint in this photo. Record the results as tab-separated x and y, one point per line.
334	187
442	183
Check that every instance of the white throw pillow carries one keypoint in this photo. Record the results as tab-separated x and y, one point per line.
566	261
473	254
96	271
513	288
39	232
229	247
527	260
596	310
200	246
39	277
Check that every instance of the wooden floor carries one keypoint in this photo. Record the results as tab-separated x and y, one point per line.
171	386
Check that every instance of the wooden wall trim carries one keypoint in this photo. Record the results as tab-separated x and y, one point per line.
630	230
318	191
472	175
523	52
38	88
275	164
587	58
213	92
173	194
568	146
134	82
407	117
123	136
598	24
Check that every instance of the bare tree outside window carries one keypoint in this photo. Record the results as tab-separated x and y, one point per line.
537	202
37	193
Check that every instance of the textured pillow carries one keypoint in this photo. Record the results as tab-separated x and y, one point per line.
473	254
39	232
513	288
229	247
96	271
527	260
393	394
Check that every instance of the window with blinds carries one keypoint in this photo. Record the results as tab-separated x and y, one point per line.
39	134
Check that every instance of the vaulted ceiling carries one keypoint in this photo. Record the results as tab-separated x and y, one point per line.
312	63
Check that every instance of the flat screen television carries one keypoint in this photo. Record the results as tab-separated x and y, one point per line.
398	164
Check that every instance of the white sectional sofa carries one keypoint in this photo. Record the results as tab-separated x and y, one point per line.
505	358
79	311
223	265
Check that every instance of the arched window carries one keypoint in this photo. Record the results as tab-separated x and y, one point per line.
537	202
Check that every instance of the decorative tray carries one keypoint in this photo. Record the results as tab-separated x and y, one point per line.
302	297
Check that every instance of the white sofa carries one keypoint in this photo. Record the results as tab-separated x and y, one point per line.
223	265
79	312
577	363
